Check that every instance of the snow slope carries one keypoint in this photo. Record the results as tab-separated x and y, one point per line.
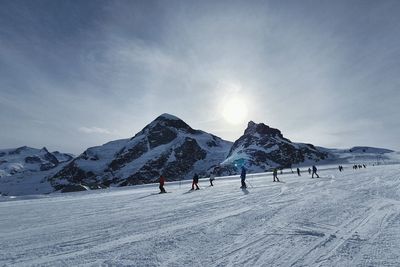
342	219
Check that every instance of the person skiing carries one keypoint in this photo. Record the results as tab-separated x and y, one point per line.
298	172
275	175
195	182
162	181
212	178
243	177
314	171
309	171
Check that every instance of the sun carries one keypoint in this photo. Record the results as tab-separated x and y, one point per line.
234	110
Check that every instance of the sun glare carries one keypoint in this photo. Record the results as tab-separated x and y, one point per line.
234	110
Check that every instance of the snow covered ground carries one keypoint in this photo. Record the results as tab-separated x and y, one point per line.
342	219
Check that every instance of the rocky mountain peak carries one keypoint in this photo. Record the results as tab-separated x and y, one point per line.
261	129
171	121
165	127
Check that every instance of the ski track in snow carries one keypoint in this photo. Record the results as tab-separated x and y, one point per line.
342	219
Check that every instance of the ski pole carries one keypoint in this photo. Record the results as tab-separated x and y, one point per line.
249	183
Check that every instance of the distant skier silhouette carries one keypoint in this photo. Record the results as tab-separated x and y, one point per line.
162	181
243	177
309	171
212	178
195	182
314	171
275	175
298	172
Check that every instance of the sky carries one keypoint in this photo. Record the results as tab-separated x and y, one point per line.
76	74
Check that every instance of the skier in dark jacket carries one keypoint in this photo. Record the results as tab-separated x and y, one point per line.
314	171
162	181
275	175
243	177
195	182
298	172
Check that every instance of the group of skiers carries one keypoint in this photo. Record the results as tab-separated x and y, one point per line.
312	171
359	166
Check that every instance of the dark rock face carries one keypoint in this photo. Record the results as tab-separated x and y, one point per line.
166	146
262	148
160	135
74	173
128	155
33	160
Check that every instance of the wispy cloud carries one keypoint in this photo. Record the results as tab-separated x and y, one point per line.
94	130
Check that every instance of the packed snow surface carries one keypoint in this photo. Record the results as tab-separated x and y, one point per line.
341	219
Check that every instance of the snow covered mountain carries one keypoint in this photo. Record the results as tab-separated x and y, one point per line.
27	159
361	155
170	147
261	148
166	146
24	170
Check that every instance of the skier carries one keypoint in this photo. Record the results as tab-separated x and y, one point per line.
243	177
195	182
298	172
275	175
314	171
309	171
212	178
162	181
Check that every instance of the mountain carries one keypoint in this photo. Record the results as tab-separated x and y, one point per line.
361	155
24	170
170	147
23	159
261	148
166	146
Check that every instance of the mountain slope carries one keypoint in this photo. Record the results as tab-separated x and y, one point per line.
261	148
166	146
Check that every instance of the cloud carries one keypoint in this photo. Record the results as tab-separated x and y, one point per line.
94	130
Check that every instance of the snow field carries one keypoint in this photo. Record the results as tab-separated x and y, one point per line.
342	219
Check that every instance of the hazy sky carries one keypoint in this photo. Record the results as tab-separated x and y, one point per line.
75	74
